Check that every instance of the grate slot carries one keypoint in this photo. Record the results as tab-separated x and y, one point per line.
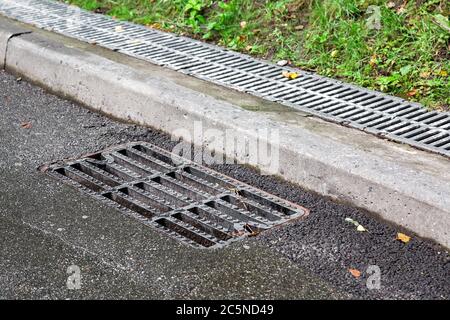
209	178
130	204
81	179
219	219
185	232
162	193
200	225
96	174
248	206
239	215
177	187
150	200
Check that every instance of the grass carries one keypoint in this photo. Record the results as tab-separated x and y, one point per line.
405	52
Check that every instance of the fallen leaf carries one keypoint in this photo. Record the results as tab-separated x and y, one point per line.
356	223
390	4
443	73
290	75
411	93
373	60
243	24
403	237
424	74
118	29
242	38
252	232
355	272
154	25
26	125
299	27
360	228
282	62
334	53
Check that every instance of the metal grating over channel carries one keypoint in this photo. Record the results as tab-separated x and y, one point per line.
393	118
194	204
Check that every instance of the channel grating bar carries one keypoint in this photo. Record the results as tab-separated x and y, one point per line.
189	202
377	113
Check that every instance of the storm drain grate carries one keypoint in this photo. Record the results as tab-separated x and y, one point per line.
373	112
190	202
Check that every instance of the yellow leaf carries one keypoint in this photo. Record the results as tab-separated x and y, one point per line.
290	75
355	272
334	53
443	73
403	237
373	60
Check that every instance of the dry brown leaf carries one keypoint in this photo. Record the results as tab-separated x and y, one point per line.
424	74
242	38
355	272
411	93
403	237
26	125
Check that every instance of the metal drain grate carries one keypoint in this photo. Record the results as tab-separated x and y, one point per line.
190	202
373	112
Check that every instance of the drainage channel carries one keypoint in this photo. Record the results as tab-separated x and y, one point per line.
189	202
377	113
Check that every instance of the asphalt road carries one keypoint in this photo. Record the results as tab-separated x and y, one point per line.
47	226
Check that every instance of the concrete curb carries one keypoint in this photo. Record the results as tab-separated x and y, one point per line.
402	185
7	31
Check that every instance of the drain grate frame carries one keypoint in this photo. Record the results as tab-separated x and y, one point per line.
386	116
189	202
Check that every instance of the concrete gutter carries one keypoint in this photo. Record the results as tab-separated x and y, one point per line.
400	184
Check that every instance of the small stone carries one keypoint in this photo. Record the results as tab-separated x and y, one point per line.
85	217
246	247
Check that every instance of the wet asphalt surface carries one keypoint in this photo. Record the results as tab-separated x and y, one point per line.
47	226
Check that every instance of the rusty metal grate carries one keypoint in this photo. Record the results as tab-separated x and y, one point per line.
190	202
370	111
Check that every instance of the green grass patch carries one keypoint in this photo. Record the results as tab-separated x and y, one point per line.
398	47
